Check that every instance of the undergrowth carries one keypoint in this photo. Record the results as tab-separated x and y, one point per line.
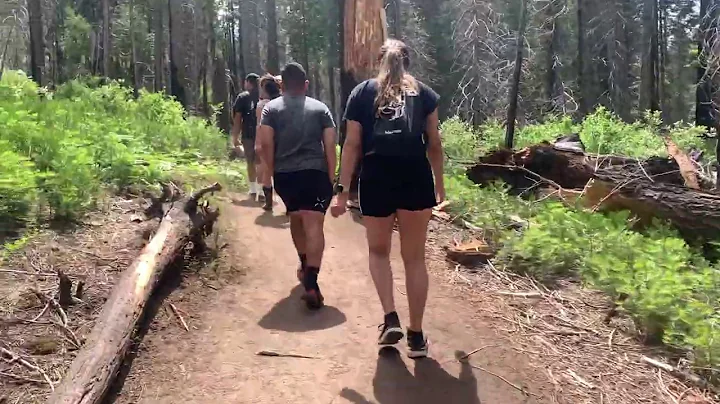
61	151
668	288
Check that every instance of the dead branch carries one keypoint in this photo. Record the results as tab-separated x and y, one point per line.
681	374
12	357
282	355
53	304
179	317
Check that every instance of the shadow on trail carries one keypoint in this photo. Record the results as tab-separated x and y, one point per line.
267	219
291	315
247	202
394	384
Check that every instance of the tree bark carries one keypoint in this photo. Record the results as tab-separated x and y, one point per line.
583	93
37	44
159	45
133	52
395	17
517	73
649	71
273	55
705	113
91	373
106	38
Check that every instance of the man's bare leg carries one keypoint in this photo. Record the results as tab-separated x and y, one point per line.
313	226
299	239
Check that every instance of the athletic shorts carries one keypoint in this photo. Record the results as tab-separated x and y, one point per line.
249	148
309	190
391	184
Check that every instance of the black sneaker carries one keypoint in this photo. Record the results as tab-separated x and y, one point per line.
312	297
417	344
390	331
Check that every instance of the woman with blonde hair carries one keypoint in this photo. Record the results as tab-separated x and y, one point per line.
269	90
392	131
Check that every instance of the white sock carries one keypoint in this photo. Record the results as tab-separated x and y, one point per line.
252	189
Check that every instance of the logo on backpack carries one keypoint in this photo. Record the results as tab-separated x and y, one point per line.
394	133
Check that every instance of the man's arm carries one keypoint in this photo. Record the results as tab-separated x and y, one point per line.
236	128
238	109
435	153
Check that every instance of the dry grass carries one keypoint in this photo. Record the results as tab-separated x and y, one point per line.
571	334
30	329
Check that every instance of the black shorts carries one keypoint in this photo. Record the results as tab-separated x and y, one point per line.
304	190
391	184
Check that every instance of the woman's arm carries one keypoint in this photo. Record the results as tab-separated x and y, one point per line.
348	163
350	153
435	154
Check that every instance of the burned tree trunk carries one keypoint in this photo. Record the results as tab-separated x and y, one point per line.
363	33
92	372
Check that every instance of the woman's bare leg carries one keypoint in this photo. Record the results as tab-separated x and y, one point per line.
413	234
379	235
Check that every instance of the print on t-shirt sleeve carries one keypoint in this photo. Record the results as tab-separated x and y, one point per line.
267	117
327	119
353	110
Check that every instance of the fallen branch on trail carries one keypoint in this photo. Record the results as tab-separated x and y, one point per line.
92	372
681	374
282	355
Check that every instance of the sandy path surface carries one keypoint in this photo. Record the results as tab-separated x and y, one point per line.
217	361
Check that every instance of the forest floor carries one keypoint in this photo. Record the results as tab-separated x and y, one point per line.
517	341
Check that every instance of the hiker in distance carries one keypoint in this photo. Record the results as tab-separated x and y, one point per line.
269	90
244	128
297	143
392	127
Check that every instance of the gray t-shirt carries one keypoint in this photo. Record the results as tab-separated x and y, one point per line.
298	123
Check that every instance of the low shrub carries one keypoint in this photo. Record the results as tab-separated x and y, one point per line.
61	150
668	288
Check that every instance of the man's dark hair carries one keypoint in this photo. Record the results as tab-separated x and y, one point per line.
252	78
294	76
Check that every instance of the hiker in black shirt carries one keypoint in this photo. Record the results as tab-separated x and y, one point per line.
245	126
392	127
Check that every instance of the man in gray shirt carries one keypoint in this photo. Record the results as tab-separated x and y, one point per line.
296	139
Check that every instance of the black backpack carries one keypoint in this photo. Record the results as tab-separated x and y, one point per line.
396	131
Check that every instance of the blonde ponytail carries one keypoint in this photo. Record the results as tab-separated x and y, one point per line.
393	78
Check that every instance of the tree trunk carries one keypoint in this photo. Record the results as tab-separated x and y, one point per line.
395	17
220	94
159	45
242	66
106	38
37	44
94	368
649	71
253	40
517	73
705	114
273	55
553	89
177	89
583	93
133	52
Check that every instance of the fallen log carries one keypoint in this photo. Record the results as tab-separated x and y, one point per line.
94	368
653	188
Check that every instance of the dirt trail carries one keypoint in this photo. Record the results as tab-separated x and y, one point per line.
216	361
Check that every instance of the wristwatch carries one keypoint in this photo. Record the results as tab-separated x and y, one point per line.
339	188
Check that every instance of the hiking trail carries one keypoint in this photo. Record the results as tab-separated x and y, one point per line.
258	308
